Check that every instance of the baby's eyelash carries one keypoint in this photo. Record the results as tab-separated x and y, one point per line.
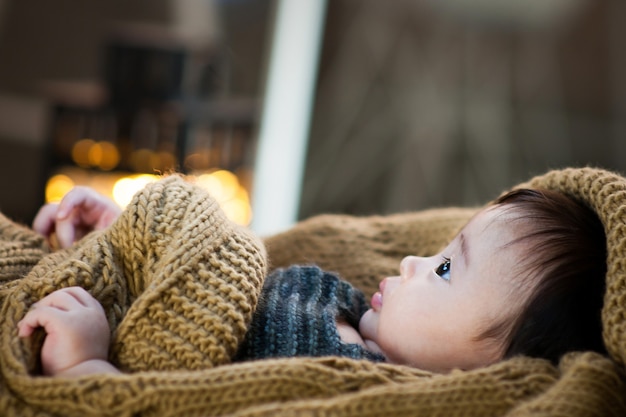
443	270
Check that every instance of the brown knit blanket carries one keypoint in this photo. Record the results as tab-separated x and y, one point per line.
179	282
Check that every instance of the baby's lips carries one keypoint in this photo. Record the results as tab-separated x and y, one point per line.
381	285
377	298
377	301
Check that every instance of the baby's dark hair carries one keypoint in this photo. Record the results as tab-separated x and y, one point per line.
566	247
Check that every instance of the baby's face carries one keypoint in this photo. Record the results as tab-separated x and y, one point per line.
430	316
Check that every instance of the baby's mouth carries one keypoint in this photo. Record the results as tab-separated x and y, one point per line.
377	298
377	301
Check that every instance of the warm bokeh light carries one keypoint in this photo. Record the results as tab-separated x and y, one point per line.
125	188
223	185
167	160
88	153
144	160
104	155
147	160
238	209
80	152
57	187
198	160
220	184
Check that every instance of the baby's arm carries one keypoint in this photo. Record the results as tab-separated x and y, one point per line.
81	211
77	333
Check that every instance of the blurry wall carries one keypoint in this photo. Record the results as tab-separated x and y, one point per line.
54	52
420	103
430	103
41	42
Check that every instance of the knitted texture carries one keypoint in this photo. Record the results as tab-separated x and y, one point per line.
297	315
178	282
605	193
360	249
20	250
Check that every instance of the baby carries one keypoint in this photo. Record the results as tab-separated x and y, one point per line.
525	276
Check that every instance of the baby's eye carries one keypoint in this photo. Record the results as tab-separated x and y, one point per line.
443	270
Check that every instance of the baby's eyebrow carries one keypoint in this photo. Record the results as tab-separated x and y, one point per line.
464	249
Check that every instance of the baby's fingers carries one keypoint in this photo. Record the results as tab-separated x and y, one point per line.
66	229
75	198
45	219
34	319
27	326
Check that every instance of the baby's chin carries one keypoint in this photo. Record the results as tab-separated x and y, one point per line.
368	328
368	325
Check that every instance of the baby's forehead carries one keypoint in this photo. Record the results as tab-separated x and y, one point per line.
491	218
495	227
496	247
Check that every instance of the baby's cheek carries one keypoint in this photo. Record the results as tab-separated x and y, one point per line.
368	325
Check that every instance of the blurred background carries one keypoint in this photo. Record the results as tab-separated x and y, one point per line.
415	104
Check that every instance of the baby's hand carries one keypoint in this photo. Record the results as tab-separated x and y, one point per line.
76	329
81	211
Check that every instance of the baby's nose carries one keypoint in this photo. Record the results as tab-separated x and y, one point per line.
408	266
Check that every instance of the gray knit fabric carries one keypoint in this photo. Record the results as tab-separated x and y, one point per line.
297	314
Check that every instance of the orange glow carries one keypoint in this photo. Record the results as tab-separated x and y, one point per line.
94	155
238	209
147	160
80	152
125	188
57	186
199	160
104	155
88	153
167	161
223	185
110	156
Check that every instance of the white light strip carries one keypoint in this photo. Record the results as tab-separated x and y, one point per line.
285	119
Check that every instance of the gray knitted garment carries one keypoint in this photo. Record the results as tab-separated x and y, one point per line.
297	314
